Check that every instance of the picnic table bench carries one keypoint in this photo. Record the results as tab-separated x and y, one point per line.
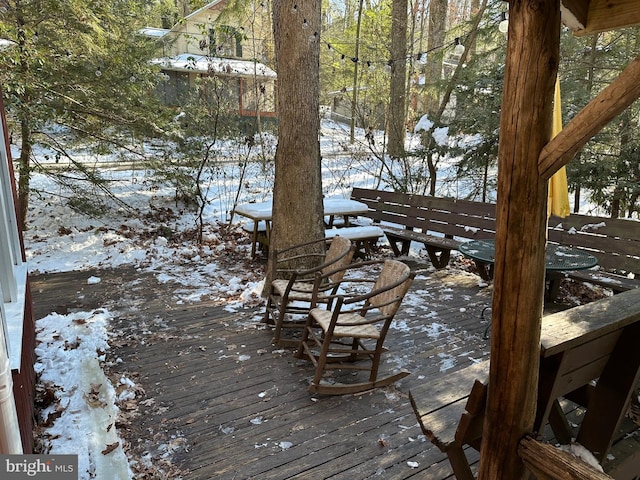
589	355
363	237
443	224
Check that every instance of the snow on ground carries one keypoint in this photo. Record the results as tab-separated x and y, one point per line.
153	234
82	422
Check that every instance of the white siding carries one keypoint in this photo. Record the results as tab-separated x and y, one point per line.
13	271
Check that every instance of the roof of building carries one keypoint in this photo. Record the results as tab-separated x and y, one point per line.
187	62
154	32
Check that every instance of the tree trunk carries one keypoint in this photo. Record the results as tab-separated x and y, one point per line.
576	199
618	197
525	127
24	163
356	83
297	195
433	69
24	172
436	115
397	97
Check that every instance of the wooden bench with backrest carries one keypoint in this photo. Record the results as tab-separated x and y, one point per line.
615	242
588	356
438	223
442	224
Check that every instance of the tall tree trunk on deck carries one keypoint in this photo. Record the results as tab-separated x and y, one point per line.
397	97
297	194
525	127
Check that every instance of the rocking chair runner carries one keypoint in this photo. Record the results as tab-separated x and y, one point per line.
288	297
353	328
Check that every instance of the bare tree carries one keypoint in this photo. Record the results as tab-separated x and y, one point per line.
297	194
433	70
396	129
356	85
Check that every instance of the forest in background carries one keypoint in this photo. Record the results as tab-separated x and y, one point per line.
77	76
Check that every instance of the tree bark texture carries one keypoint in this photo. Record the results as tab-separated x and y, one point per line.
433	68
525	128
297	196
397	97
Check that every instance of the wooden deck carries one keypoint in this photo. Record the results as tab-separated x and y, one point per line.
226	404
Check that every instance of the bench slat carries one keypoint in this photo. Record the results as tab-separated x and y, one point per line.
617	283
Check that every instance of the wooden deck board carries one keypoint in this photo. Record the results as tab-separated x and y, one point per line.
187	358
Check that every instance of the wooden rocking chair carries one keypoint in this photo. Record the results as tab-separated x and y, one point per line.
289	298
349	333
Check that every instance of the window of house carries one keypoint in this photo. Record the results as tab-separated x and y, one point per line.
257	96
225	41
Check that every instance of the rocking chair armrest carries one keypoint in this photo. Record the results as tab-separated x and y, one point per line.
310	271
352	266
378	291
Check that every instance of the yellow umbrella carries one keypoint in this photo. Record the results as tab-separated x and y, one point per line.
558	201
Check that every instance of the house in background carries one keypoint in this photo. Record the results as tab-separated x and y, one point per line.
231	47
17	328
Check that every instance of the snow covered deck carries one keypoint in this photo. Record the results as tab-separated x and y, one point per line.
214	398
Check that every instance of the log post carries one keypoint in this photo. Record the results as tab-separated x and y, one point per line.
525	128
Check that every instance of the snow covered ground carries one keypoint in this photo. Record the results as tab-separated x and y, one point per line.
154	234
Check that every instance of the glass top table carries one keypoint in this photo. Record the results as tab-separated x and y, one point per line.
558	257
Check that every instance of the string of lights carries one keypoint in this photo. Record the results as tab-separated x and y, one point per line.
457	43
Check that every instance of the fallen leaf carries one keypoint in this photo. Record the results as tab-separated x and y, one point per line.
93	396
110	448
72	345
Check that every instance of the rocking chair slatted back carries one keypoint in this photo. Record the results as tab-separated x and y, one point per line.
389	300
292	292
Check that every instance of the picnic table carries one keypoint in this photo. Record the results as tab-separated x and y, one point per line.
260	214
588	355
